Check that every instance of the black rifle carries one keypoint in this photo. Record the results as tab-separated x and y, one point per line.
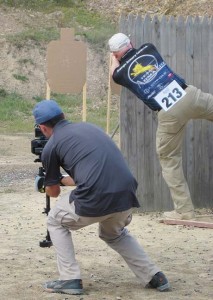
37	146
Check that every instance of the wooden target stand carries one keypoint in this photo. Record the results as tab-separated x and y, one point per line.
109	98
113	88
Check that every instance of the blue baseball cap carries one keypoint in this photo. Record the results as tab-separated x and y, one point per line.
45	110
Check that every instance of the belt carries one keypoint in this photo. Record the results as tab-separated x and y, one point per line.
184	86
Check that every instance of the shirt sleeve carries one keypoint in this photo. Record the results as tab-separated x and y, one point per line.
51	166
115	76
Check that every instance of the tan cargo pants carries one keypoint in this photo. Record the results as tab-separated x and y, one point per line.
62	219
171	125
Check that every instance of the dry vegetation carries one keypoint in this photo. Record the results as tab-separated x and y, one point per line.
161	7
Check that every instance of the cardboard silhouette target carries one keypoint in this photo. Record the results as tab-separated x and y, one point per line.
66	63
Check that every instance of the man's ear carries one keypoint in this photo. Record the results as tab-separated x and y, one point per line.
42	127
45	130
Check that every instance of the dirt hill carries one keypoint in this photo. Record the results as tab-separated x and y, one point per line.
29	60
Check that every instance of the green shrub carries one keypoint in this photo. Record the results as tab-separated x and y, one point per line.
38	36
38	4
20	77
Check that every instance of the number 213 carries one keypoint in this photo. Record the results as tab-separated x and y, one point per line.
172	97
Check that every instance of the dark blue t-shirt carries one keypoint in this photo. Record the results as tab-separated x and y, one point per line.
144	72
104	183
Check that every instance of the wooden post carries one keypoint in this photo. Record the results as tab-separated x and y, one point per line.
109	99
48	92
84	112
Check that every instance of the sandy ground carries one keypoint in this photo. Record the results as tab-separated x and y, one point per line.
183	253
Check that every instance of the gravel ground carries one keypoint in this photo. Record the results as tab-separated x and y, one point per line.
184	253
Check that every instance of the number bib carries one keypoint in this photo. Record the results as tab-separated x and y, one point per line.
170	95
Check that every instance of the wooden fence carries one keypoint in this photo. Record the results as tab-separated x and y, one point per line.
186	45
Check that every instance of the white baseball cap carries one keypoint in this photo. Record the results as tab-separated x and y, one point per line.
118	41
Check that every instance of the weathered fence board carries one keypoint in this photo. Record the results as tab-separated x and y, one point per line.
211	56
186	45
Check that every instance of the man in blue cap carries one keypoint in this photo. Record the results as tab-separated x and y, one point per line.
104	194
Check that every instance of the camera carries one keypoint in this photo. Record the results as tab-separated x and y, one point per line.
37	145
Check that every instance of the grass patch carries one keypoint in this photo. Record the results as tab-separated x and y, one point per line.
44	35
16	112
42	4
20	77
25	61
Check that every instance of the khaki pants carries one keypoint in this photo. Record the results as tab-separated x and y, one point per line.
62	220
171	125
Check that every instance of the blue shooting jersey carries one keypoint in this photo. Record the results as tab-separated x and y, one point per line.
144	72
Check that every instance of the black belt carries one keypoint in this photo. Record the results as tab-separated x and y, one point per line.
184	86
